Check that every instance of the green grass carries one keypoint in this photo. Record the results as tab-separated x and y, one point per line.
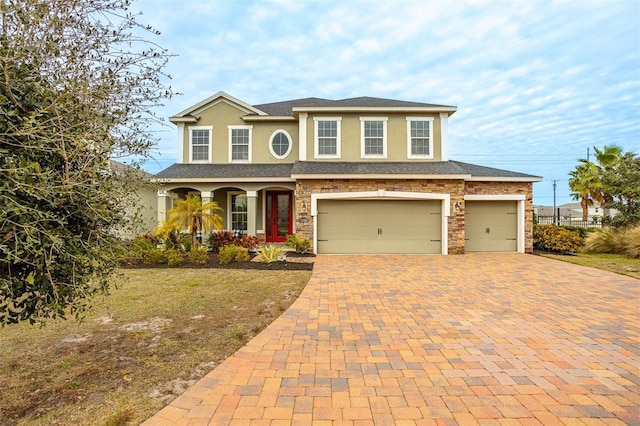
606	261
157	334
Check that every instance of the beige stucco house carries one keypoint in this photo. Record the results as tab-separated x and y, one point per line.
360	175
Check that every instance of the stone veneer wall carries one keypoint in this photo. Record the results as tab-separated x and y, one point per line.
519	188
455	189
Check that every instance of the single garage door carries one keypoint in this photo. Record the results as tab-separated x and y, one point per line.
379	226
491	226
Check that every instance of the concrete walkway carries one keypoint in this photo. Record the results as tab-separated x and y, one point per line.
507	339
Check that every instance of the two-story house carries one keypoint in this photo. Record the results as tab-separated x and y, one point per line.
360	175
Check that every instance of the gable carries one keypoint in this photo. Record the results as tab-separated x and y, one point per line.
191	114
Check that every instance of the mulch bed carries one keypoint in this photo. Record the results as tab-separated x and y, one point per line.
294	262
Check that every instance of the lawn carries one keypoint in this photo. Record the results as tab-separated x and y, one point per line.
143	345
606	261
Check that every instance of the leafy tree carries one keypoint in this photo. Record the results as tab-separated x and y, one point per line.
585	186
623	183
606	160
78	85
193	214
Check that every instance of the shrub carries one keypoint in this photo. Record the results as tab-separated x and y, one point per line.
270	253
199	255
141	244
300	245
220	239
246	241
231	253
174	258
556	239
154	256
615	240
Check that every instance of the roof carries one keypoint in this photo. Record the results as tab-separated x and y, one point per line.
233	171
328	169
291	107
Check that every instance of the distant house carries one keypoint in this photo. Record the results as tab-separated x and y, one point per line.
571	213
359	175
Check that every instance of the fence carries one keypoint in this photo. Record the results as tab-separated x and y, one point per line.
569	221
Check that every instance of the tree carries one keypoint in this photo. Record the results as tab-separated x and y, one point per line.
78	85
622	182
193	214
606	160
585	186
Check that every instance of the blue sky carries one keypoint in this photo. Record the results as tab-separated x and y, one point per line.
536	83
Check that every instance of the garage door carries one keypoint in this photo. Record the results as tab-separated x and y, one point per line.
379	226
491	226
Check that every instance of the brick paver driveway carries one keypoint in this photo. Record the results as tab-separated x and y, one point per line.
473	339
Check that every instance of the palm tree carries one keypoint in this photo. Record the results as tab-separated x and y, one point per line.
607	159
191	213
169	231
585	186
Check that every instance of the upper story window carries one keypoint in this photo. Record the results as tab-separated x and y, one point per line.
240	144
200	144
373	133
280	144
327	137
420	137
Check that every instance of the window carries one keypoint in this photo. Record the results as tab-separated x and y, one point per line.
327	137
419	137
238	211
280	144
373	133
240	143
200	144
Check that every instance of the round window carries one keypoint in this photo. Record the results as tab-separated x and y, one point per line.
280	144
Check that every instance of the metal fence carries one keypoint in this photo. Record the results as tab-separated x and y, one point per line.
569	221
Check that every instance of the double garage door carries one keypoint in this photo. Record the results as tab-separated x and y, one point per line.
411	226
379	226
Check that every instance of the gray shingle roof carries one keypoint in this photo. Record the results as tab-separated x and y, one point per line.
328	168
232	171
284	108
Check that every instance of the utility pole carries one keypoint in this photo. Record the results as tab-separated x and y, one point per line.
554	201
587	154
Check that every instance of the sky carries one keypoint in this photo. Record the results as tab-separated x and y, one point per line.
537	84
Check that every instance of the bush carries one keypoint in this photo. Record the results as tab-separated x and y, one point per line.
154	256
220	239
615	240
300	245
174	258
231	253
199	255
270	253
556	239
246	241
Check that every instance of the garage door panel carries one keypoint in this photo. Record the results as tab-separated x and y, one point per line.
379	226
491	226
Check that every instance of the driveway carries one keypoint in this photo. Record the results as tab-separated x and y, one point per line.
473	339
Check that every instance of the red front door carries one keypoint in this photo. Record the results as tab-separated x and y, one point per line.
279	214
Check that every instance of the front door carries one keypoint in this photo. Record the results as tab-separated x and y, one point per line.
279	214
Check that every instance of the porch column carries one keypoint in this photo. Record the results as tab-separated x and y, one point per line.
252	212
164	204
205	197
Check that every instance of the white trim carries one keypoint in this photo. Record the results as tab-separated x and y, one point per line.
230	180
444	136
268	118
210	153
338	121
384	120
377	176
180	150
230	132
496	197
504	179
520	204
302	137
409	121
286	154
384	194
433	109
